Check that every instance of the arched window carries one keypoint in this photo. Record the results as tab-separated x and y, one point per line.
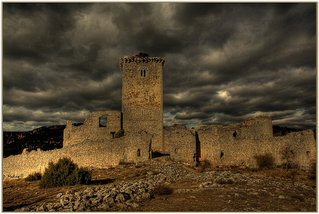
103	121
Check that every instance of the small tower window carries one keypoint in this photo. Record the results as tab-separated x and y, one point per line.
143	73
138	153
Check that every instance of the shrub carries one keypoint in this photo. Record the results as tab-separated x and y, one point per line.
264	161
162	190
119	133
33	177
64	173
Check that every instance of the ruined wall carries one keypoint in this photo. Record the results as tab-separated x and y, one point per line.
91	130
138	146
180	143
98	154
221	147
142	96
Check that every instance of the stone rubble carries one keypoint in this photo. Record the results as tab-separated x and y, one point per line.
129	194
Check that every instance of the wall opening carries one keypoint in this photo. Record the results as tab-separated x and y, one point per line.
103	121
121	120
150	151
138	153
234	134
221	154
143	73
308	153
198	153
112	133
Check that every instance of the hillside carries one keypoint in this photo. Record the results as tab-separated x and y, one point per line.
45	138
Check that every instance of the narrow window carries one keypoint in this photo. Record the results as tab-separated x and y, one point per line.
234	134
112	133
144	73
138	153
103	121
141	72
221	154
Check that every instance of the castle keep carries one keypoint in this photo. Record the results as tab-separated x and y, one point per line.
107	138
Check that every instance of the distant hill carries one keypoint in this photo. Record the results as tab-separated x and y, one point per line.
280	131
45	138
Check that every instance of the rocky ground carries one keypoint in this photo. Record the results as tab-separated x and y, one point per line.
162	185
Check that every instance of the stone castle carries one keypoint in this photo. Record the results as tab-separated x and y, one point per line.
136	133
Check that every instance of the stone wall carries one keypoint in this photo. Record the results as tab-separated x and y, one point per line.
97	153
180	143
91	130
142	96
236	145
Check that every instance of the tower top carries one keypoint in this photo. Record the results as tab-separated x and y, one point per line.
142	58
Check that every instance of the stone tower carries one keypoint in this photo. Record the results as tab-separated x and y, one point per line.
142	96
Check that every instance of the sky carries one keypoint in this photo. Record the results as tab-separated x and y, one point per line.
224	62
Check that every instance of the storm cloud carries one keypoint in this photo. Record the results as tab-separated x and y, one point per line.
224	62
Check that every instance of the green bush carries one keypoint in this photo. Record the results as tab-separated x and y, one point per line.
33	177
64	173
265	161
119	133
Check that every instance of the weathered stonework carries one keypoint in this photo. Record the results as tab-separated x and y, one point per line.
91	129
142	96
180	143
237	144
96	143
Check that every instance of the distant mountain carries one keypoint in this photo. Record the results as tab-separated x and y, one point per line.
280	131
45	138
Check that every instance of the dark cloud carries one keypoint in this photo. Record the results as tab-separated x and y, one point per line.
224	62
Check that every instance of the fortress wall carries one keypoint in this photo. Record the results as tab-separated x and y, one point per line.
221	148
301	147
90	129
97	153
180	143
100	154
253	128
138	147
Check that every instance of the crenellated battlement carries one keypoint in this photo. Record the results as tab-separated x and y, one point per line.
142	59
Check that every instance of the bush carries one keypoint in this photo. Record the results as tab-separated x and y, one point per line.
119	133
162	190
265	161
33	177
64	173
